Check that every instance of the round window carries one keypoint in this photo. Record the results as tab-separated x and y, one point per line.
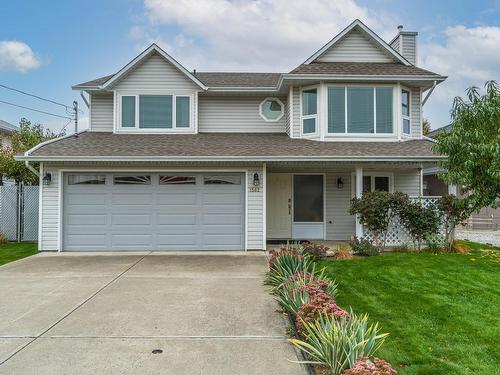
271	109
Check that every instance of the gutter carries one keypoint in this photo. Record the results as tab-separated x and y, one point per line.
232	158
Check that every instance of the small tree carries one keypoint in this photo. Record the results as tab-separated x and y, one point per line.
472	147
376	210
420	222
28	136
426	126
453	212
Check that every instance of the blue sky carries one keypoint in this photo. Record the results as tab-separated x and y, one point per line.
45	47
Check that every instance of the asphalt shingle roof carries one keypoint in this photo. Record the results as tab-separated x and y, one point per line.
224	144
361	68
7	126
222	79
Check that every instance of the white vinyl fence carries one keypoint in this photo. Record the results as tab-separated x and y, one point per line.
19	212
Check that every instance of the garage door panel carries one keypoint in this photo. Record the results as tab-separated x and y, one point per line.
86	219
130	219
177	219
155	217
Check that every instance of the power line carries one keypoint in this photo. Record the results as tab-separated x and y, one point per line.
35	96
64	128
35	110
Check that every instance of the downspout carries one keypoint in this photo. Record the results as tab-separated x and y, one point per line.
429	93
31	168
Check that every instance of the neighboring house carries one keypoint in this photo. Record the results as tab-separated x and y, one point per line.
486	218
179	160
6	130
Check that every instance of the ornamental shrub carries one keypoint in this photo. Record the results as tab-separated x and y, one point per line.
343	252
314	250
363	247
453	212
365	366
420	222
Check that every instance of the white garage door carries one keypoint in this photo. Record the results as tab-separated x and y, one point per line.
153	211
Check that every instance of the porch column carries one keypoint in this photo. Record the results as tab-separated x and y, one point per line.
359	193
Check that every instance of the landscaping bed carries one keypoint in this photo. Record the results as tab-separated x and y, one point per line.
12	251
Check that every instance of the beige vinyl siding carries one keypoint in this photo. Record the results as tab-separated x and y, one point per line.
407	182
355	47
296	113
409	48
415	113
255	212
101	112
235	114
343	225
50	213
156	73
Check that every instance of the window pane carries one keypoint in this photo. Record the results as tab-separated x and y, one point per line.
182	112
382	183
367	184
405	102
406	126
308	198
309	126
132	180
155	111
360	110
271	109
384	109
85	179
222	180
309	102
177	180
128	111
336	110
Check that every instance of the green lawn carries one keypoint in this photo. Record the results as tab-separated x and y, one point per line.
442	311
13	251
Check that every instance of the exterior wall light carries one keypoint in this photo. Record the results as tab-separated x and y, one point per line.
256	180
340	183
47	179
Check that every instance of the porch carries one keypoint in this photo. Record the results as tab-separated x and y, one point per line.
311	201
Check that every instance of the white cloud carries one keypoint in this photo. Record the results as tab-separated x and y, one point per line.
17	57
469	57
252	35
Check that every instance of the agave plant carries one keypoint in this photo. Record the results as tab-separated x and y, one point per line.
285	266
338	343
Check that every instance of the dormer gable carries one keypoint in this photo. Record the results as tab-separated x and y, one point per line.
357	43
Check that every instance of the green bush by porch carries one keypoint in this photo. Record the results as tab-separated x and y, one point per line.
441	310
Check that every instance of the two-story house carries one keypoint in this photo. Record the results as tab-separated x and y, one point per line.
180	160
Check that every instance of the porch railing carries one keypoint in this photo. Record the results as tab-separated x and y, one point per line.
397	234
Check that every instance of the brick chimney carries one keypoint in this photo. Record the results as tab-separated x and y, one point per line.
405	42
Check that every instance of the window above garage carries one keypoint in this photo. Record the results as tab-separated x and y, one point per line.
172	112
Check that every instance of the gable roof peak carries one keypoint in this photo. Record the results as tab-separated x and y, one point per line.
358	24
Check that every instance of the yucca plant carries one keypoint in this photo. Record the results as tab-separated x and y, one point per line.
291	299
338	343
285	266
316	277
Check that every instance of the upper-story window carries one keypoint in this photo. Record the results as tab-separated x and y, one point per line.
405	111
309	117
155	112
360	110
271	109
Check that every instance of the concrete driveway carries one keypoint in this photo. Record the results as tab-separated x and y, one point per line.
106	314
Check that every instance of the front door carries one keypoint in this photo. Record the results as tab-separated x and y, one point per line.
279	206
308	207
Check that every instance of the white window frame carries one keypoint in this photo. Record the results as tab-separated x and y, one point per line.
281	114
346	134
404	117
372	176
315	116
136	129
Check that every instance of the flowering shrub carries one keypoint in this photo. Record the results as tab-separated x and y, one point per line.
314	250
364	366
319	303
284	249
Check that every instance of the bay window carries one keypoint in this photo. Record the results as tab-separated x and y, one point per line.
360	110
155	112
405	111
309	111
